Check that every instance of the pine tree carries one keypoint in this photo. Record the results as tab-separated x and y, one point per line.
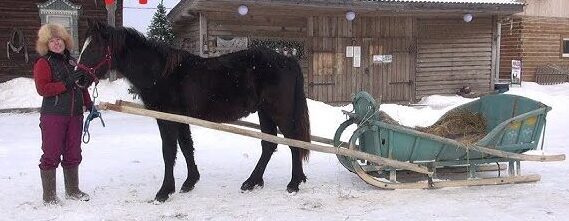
160	28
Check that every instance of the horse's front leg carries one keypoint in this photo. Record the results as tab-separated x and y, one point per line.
169	134
187	147
256	179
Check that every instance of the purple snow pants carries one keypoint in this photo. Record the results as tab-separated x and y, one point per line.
61	135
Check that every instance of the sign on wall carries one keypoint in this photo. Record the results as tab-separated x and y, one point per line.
349	51
357	56
382	58
516	72
354	52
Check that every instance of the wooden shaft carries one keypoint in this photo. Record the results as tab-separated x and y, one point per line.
267	137
517	156
244	124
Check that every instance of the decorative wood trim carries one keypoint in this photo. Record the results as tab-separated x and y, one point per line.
203	34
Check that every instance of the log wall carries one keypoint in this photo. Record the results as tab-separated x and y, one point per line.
452	54
536	41
24	15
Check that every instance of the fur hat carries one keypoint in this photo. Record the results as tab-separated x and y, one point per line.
49	31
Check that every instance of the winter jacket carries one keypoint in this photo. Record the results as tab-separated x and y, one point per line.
50	71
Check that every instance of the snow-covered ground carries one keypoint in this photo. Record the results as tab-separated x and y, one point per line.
122	169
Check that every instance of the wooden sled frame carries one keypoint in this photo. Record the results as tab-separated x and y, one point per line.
513	159
514	170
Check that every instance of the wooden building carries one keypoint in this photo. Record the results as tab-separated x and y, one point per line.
539	36
21	19
399	51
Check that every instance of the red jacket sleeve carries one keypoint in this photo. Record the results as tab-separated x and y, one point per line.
45	85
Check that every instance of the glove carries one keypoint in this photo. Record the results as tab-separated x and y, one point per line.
72	78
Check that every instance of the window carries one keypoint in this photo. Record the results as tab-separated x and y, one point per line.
64	21
62	12
565	47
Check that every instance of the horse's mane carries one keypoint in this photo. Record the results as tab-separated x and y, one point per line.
122	39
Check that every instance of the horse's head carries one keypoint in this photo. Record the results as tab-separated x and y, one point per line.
97	53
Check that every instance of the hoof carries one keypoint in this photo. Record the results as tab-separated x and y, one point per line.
162	198
186	189
250	184
189	185
163	195
292	187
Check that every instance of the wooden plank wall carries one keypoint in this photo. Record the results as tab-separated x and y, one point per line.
24	14
220	24
538	41
510	45
189	37
452	54
334	80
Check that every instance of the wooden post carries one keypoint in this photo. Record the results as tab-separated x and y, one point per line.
203	44
111	9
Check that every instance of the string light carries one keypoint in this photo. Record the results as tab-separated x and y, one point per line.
350	15
243	10
467	17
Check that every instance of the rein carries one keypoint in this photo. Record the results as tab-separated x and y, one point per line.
94	113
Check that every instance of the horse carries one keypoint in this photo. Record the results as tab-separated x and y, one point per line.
218	89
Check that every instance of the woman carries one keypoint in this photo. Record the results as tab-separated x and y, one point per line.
61	115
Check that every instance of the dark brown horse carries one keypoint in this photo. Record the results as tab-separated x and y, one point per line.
219	89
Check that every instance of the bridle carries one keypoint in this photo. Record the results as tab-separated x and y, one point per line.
94	113
107	59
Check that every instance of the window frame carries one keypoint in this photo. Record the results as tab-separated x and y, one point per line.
565	41
68	27
62	9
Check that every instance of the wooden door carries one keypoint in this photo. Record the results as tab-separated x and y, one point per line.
392	81
327	70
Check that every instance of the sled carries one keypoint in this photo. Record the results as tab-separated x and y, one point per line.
515	126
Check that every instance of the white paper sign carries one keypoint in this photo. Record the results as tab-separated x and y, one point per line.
357	61
380	58
357	51
349	51
516	72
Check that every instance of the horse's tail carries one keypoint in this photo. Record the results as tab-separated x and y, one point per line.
302	126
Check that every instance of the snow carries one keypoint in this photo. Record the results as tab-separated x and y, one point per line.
122	169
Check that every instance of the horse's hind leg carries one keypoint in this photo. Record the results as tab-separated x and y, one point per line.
169	134
187	147
297	172
288	128
256	179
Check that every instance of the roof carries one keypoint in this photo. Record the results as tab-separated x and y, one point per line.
188	9
495	2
